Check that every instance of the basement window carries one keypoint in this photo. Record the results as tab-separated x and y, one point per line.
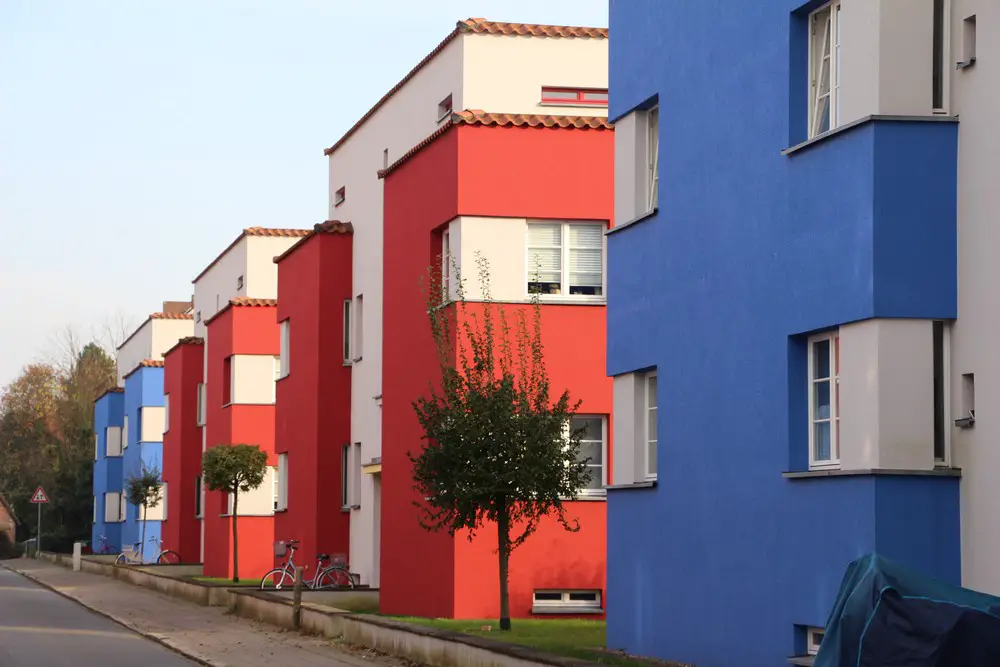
566	602
814	637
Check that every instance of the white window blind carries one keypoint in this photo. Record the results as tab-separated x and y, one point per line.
282	503
284	332
586	262
545	258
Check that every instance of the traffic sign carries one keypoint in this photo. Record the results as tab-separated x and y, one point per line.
39	496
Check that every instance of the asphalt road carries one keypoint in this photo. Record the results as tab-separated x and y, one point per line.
39	628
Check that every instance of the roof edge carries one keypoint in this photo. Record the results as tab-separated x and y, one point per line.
326	227
243	302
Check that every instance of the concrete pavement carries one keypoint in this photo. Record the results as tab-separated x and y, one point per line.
39	628
208	635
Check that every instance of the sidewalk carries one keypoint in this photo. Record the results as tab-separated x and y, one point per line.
206	634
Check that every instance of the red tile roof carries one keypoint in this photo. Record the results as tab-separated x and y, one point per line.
250	301
476	26
252	231
327	227
145	363
477	117
187	340
171	316
112	390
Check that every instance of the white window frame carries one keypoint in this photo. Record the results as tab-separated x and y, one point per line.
94	520
125	433
446	266
282	502
564	258
652	190
275	489
824	41
946	60
356	476
567	430
348	332
357	340
814	637
834	339
649	443
197	497
345	476
566	601
947	416
97	445
284	356
115	431
166	412
201	404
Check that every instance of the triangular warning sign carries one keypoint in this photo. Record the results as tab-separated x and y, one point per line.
39	496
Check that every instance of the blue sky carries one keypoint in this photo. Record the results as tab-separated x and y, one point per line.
140	136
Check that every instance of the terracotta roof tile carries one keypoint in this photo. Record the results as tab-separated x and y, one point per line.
477	117
250	301
112	390
187	340
252	231
326	227
171	316
476	26
145	363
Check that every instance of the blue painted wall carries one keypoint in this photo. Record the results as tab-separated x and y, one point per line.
143	388
108	412
751	250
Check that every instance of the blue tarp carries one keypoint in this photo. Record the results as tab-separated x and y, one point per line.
887	615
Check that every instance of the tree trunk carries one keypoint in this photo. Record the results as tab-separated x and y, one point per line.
142	540
236	562
503	550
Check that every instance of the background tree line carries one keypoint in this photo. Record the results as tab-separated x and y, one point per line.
47	438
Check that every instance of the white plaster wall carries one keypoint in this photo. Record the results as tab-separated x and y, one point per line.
626	431
214	289
505	73
253	379
259	501
135	350
503	242
630	176
859	395
261	277
158	512
153	421
975	96
166	333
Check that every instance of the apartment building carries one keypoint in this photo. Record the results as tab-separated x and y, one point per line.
799	311
481	65
109	417
534	199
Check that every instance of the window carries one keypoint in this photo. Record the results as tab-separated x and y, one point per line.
122	507
444	108
275	488
282	502
385	158
113	441
359	317
942	398
125	433
201	404
284	348
239	282
968	42
566	601
814	637
166	412
446	265
94	520
339	196
566	258
345	476
938	73
197	496
347	331
652	426
356	476
197	316
97	445
824	400
824	69
652	159
227	381
113	507
591	97
593	446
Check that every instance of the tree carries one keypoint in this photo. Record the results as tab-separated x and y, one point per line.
496	447
144	489
234	469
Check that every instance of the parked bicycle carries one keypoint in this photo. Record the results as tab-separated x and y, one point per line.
134	555
325	577
104	549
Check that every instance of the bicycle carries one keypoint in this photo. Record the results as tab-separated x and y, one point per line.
325	577
134	556
105	549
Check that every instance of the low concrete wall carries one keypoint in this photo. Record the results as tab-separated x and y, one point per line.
355	600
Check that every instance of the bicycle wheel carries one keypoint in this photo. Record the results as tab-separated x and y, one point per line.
168	557
121	560
275	580
334	577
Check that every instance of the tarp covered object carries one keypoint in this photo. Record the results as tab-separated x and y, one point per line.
887	615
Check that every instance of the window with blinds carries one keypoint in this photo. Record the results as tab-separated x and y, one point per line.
566	258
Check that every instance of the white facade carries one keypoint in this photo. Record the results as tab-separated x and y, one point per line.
478	71
151	340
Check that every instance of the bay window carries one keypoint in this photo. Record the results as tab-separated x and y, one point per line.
824	400
565	258
824	69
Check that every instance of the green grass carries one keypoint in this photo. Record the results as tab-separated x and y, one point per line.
573	638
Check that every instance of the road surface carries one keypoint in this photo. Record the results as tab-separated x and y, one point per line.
39	628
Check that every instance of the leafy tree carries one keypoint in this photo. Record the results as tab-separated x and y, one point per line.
234	469
495	445
144	489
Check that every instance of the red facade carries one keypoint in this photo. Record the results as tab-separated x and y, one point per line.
506	172
313	411
245	327
183	365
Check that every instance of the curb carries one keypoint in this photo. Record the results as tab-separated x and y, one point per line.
163	641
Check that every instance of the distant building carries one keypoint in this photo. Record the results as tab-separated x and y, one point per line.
8	520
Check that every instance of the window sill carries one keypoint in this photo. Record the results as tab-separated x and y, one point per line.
281	510
648	484
570	299
847	127
575	105
355	507
880	472
634	221
575	611
586	497
348	363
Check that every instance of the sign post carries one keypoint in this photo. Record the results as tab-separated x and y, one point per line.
39	498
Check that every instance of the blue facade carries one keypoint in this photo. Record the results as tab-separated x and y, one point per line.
143	389
109	410
725	561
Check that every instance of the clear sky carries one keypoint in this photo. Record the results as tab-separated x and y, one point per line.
137	137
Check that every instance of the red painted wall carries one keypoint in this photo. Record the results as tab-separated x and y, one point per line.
238	330
313	411
505	172
182	372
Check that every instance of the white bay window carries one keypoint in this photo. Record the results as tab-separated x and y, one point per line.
565	259
824	400
824	69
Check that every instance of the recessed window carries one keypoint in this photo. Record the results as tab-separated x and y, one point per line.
227	381
593	449
359	319
345	476
197	316
347	331
938	71
565	259
125	433
197	496
446	265
651	426
97	448
356	476
122	507
824	69
239	283
444	108
566	602
591	97
339	196
275	487
942	428
113	443
824	400
968	42
113	507
385	158
201	404
652	159
284	348
281	501
814	637
166	412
